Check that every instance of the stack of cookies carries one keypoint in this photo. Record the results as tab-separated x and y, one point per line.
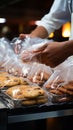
8	80
28	95
60	90
39	78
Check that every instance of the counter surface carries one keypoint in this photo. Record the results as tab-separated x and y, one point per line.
37	111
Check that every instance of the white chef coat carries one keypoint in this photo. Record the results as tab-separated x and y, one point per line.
59	14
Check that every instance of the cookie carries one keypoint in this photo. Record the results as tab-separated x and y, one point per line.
68	86
28	102
42	100
33	92
54	91
36	79
63	90
23	81
11	81
7	80
36	101
16	92
25	91
3	79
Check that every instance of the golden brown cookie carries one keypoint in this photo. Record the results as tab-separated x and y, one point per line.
23	81
7	80
68	86
55	91
33	92
25	91
36	79
35	101
16	92
63	90
28	102
3	80
42	100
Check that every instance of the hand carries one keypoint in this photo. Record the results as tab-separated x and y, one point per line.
52	54
22	36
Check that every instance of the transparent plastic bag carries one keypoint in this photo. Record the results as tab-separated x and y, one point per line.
27	54
20	45
9	61
60	85
24	48
39	73
16	44
4	48
65	64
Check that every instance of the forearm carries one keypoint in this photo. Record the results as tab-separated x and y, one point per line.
40	31
69	47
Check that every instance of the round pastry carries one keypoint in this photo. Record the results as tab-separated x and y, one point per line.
35	101
15	92
25	91
33	92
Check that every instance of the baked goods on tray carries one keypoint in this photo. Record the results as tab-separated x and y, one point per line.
7	80
25	91
35	101
60	91
28	95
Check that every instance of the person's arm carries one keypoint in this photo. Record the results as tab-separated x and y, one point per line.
57	16
40	31
68	47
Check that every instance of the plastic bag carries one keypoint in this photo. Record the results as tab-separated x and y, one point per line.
27	55
4	44
9	61
25	47
20	45
60	85
66	63
17	44
39	73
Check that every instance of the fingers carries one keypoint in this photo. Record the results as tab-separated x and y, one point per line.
22	36
41	48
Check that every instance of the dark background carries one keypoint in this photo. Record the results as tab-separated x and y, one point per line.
21	14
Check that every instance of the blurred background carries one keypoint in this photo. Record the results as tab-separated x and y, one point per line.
21	16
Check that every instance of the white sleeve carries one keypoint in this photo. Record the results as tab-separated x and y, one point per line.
58	15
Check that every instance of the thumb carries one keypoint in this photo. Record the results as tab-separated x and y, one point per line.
39	49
